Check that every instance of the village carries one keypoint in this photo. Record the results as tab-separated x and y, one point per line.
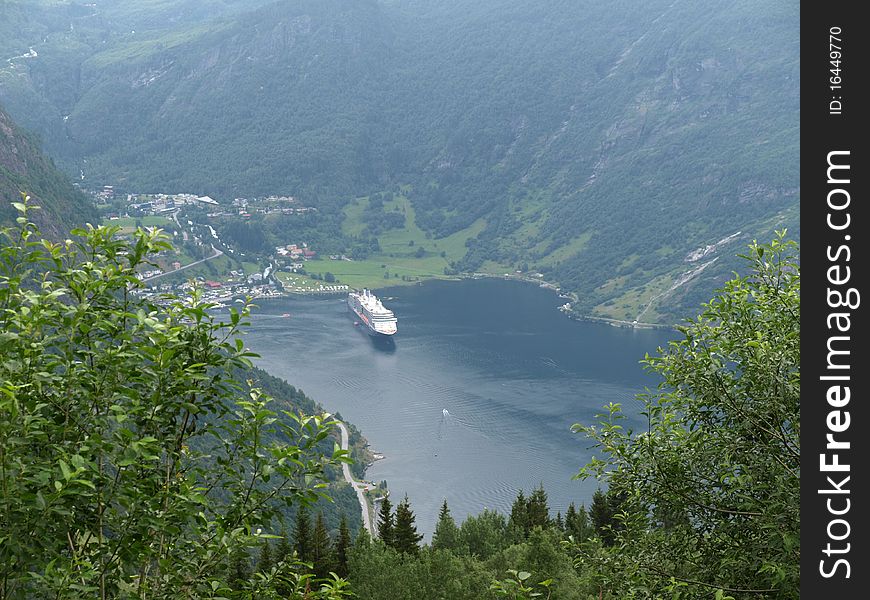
197	244
140	205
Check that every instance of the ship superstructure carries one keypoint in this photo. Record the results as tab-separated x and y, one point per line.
373	315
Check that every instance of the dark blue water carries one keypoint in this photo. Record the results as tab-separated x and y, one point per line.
513	373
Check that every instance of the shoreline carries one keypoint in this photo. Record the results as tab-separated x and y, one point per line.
570	296
360	487
622	324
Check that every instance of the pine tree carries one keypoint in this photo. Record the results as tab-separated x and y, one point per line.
405	536
582	530
385	522
283	550
600	513
321	549
264	562
538	513
363	539
446	536
302	534
519	519
559	524
239	568
342	546
605	507
577	523
570	520
570	514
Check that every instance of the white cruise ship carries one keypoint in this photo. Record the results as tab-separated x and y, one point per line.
377	319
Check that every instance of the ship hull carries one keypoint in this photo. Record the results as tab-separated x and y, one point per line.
365	322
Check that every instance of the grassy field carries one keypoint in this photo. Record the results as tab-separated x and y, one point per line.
251	268
398	261
300	284
403	243
631	303
372	273
566	251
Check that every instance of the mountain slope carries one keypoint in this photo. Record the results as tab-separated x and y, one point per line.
601	144
23	168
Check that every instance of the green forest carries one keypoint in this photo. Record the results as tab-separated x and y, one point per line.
141	456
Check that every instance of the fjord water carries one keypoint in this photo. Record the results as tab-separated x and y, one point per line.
512	373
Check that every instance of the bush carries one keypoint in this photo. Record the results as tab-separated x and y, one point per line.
710	492
131	462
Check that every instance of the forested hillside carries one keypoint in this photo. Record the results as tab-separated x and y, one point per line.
598	144
23	168
343	502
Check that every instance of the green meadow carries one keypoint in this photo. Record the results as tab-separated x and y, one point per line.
400	261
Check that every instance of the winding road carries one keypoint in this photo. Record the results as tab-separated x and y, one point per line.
193	264
356	485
